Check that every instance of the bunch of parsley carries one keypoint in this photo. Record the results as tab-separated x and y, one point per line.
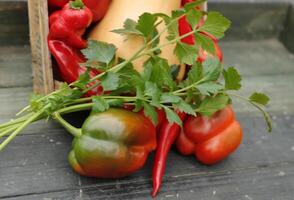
206	89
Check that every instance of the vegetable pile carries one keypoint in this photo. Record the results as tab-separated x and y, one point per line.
134	113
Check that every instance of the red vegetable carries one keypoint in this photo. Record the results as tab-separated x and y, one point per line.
57	3
167	135
210	139
184	28
69	24
65	41
97	7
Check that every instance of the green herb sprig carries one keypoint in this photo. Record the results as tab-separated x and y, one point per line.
206	89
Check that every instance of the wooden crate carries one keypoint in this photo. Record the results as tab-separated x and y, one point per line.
43	81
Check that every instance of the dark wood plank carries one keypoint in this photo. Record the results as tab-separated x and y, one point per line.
34	165
15	66
14	22
256	19
39	165
258	58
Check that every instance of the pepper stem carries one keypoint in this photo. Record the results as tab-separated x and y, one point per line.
76	4
76	132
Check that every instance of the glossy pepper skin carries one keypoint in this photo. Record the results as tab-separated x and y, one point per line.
184	28
212	139
97	7
166	138
69	24
113	144
65	42
57	3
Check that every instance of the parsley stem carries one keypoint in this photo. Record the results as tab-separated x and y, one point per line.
8	130
189	86
20	128
265	114
15	121
171	42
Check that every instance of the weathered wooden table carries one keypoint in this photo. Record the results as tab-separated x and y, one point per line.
34	165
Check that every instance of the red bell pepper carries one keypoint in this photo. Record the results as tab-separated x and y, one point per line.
210	139
97	7
65	41
57	3
184	28
167	136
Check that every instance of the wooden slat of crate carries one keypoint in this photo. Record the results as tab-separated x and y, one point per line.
41	62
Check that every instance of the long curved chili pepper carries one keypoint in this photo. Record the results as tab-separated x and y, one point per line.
167	136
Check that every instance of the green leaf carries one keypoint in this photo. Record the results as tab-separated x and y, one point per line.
146	24
193	4
172	117
110	81
169	98
215	24
212	69
99	104
186	53
259	98
185	107
205	43
158	71
99	52
232	79
150	112
193	17
210	105
209	88
115	102
153	91
195	74
82	81
129	28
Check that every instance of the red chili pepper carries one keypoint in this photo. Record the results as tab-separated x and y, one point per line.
210	139
65	41
167	135
98	7
184	28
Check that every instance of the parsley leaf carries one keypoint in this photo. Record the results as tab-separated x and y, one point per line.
215	24
193	4
150	112
171	116
129	28
186	53
153	92
259	98
205	43
193	17
99	104
212	69
146	24
185	107
210	105
209	88
99	52
110	81
169	98
232	79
